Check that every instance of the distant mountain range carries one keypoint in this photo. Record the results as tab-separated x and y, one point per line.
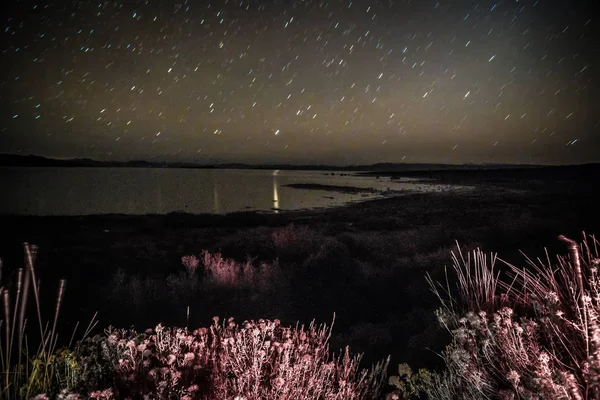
15	160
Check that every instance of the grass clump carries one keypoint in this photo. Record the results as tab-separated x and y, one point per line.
520	333
25	373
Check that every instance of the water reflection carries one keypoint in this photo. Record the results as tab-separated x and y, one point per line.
275	192
216	202
159	202
84	191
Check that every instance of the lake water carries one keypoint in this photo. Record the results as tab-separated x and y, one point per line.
84	191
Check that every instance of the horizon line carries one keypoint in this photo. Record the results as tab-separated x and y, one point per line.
222	163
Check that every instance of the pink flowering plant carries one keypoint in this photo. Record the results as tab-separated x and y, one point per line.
532	333
228	273
257	360
214	270
190	262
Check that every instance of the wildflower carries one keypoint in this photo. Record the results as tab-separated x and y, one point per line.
517	328
112	339
544	358
506	312
188	358
176	376
102	395
552	297
66	395
201	332
513	377
279	382
329	367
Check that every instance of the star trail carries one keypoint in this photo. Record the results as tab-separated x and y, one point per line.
328	82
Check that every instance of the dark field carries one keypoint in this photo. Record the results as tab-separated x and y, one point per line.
364	262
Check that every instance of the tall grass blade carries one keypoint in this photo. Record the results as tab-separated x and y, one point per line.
31	252
6	301
23	306
61	293
17	299
73	334
91	325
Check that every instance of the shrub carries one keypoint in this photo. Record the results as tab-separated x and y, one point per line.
136	293
532	333
256	242
331	258
190	263
258	360
182	287
294	242
291	235
229	273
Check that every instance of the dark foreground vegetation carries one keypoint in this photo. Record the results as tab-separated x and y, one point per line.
366	263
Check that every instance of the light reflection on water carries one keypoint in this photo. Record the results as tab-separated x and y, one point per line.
83	191
275	192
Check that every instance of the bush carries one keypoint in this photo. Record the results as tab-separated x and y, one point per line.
294	243
135	293
531	333
258	360
228	273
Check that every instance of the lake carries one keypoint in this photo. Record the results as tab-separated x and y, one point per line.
84	191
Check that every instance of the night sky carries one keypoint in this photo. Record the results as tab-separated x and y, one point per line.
328	82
